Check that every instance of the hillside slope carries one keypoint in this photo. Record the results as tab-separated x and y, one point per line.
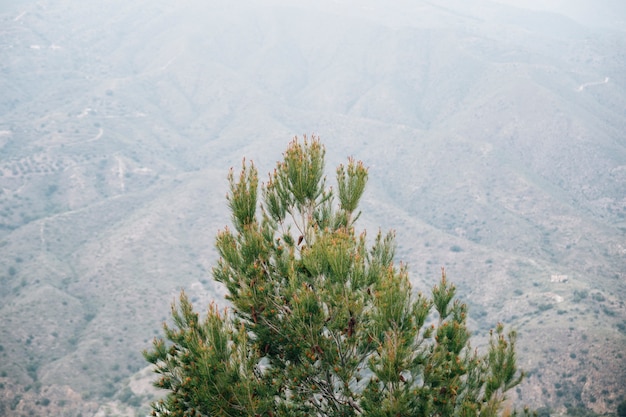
494	136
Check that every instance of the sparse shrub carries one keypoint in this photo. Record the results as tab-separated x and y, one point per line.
621	409
456	248
109	390
51	190
15	401
608	311
128	396
543	412
579	295
598	297
579	411
31	368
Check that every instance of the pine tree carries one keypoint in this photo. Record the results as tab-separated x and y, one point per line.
323	322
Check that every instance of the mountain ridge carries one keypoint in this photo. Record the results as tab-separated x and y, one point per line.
484	157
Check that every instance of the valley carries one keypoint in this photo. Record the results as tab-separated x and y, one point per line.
494	137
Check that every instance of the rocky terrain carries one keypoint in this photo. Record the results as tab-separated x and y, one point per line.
494	134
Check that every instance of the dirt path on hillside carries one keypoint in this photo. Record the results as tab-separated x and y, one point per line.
585	85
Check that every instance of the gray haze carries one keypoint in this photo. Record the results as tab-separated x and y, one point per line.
493	130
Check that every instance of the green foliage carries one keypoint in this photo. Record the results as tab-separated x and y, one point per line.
621	409
322	323
580	412
580	295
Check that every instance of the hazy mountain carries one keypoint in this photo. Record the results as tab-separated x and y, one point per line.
494	133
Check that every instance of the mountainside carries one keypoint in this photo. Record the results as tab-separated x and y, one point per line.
495	137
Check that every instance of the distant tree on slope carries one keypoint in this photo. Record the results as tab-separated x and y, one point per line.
322	324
